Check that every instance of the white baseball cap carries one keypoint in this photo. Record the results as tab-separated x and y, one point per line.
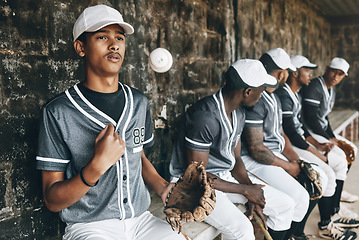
281	59
246	73
341	64
99	16
300	61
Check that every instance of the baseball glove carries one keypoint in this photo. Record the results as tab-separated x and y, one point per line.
310	180
348	150
191	199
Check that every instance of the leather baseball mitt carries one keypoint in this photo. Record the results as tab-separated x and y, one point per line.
191	199
348	150
310	180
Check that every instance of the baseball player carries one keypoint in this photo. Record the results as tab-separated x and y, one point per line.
91	142
318	101
266	150
307	147
210	133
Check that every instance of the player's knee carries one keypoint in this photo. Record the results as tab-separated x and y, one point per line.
245	232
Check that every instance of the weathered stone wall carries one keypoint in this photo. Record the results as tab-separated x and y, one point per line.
345	42
204	37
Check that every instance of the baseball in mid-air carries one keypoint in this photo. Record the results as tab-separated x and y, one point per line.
160	60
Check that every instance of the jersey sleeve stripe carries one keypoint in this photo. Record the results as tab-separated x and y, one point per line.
149	140
198	143
254	121
312	101
137	149
287	113
54	160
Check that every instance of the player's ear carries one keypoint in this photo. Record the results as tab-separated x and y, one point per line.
296	73
247	92
79	48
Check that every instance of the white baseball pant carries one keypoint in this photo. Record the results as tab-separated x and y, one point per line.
282	181
233	224
144	227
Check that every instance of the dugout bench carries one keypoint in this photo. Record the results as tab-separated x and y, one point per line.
343	122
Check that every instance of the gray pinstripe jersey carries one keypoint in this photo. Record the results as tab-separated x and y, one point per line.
267	113
207	128
291	106
68	129
317	94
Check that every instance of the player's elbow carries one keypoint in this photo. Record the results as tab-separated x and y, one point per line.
51	206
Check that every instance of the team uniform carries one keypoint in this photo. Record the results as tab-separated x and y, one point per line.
319	101
206	128
267	114
292	125
69	126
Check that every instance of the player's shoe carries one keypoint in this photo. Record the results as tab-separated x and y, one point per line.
348	197
346	212
344	222
332	231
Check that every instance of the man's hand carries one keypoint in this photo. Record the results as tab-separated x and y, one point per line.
325	147
334	141
259	210
166	190
254	193
292	168
109	148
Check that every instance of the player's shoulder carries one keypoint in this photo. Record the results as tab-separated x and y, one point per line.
57	102
205	105
283	94
314	83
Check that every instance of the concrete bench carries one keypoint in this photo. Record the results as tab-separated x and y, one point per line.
345	123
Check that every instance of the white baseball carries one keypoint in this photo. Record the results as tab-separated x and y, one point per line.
160	60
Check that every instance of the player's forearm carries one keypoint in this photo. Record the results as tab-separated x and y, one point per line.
151	177
239	173
59	195
261	154
257	150
288	151
225	186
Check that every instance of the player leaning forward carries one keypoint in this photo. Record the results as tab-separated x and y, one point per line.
266	150
210	133
91	143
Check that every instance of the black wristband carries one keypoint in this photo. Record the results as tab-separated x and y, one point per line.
84	181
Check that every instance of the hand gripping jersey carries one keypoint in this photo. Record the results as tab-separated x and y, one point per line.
267	113
68	129
206	127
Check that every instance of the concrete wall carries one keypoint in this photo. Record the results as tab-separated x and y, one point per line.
204	37
345	42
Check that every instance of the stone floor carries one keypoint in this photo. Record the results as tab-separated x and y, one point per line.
351	186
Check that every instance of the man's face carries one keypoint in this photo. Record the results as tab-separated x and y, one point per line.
104	50
253	97
333	76
304	75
